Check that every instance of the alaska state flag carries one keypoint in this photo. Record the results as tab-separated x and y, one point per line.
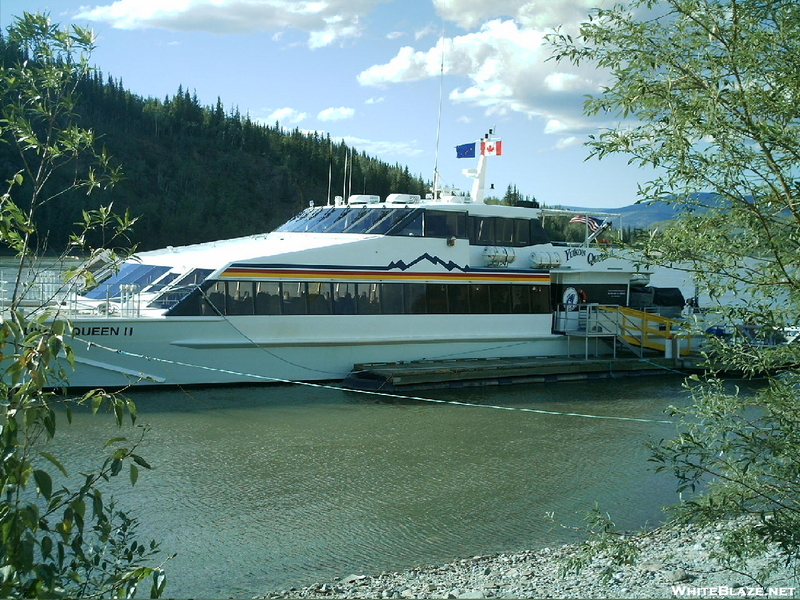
465	150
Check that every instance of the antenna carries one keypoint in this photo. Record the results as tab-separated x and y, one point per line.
350	178
330	169
344	178
439	120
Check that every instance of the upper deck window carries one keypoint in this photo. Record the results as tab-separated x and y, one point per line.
182	287
418	222
445	224
502	231
130	273
379	221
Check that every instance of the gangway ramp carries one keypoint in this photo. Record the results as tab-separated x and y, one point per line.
634	329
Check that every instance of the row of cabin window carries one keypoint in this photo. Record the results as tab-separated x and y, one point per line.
418	222
500	231
481	231
316	298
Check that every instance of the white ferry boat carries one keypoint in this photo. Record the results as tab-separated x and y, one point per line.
368	279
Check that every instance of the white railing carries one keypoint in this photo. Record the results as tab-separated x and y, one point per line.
636	329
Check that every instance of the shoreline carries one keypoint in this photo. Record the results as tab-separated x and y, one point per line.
672	563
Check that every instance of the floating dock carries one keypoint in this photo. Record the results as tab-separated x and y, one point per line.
651	344
406	376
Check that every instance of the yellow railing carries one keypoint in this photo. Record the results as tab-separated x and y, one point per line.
648	330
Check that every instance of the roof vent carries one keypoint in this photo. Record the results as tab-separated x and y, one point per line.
363	199
403	198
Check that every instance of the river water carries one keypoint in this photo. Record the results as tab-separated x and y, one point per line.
260	488
263	488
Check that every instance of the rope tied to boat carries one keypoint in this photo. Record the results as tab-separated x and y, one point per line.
377	393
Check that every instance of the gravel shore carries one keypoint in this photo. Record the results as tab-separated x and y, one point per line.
674	563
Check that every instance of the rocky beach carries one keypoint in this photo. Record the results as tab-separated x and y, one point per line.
672	563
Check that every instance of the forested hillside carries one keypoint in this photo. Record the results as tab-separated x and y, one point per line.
194	173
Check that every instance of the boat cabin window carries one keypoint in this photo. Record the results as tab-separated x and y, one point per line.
482	231
294	298
500	298
242	300
393	220
418	222
522	232
445	224
344	298
347	298
479	299
502	231
391	299
268	298
164	282
415	298
413	222
411	227
180	288
367	219
129	274
319	298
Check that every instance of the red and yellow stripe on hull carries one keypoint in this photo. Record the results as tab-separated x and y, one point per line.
340	275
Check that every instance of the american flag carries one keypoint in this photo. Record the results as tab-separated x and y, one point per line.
594	224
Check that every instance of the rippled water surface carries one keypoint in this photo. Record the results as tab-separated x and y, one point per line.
263	488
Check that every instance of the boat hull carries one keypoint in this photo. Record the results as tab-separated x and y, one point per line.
246	349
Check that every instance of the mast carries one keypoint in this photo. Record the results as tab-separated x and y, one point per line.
485	147
438	121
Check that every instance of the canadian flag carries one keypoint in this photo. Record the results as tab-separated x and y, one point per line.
491	148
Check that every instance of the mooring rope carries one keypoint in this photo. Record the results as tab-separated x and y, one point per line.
373	392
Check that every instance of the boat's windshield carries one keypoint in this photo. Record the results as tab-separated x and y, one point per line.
483	230
130	273
370	220
322	219
180	288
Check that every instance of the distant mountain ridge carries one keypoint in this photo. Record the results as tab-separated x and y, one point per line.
646	214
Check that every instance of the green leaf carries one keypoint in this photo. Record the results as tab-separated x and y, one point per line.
47	546
159	581
44	483
134	474
140	461
52	458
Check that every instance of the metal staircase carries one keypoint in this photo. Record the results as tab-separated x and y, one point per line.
634	330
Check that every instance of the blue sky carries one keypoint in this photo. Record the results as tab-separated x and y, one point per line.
369	72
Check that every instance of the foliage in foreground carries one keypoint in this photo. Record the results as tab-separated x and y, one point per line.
54	541
709	90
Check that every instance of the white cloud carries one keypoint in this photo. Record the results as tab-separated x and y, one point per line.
374	100
426	31
567	142
326	21
336	114
384	148
471	13
503	67
286	115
